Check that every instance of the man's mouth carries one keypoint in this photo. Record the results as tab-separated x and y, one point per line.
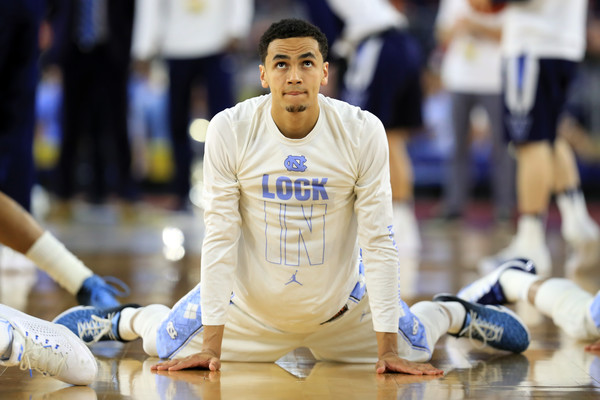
295	92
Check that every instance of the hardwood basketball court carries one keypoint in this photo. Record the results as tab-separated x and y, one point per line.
144	252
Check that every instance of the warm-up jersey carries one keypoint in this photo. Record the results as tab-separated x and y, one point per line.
285	218
546	29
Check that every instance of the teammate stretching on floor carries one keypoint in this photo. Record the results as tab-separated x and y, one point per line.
540	64
20	232
298	206
571	308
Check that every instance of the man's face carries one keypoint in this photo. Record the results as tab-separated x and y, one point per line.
294	71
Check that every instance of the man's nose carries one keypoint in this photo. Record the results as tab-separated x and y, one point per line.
294	76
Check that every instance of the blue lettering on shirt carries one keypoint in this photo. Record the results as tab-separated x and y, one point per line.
302	189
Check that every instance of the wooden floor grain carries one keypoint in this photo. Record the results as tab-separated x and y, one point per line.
157	254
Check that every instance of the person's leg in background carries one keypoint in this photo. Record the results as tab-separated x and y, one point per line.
578	228
457	183
181	78
531	113
503	164
19	74
218	76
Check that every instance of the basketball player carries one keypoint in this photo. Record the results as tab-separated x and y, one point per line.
20	232
471	72
571	308
298	219
540	62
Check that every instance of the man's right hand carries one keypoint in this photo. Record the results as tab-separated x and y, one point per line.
208	358
205	360
595	347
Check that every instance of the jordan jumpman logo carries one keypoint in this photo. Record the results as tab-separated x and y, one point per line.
293	279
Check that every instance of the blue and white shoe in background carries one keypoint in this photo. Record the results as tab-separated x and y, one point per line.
181	325
487	290
539	254
98	292
92	324
494	326
48	348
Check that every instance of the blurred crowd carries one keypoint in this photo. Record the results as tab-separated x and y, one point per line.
115	111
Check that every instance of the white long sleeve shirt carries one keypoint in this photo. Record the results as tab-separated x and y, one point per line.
546	29
285	218
188	28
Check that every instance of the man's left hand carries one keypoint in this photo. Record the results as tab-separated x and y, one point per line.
204	360
392	363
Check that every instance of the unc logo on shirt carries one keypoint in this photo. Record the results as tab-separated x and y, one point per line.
295	163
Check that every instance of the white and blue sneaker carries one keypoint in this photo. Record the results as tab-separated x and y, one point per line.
181	325
49	348
92	324
539	254
487	290
98	292
495	326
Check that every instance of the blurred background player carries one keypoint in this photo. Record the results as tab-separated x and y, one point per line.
19	55
384	77
91	47
19	75
197	39
540	62
471	72
20	232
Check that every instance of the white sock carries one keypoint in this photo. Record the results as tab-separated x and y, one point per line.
143	322
457	314
580	206
531	231
516	283
550	292
125	324
568	306
53	257
566	205
577	224
590	224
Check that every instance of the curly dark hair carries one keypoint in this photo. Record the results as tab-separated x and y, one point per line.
291	28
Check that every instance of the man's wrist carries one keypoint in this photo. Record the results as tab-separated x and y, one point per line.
387	343
213	339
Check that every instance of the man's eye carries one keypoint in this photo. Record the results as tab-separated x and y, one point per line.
280	65
308	63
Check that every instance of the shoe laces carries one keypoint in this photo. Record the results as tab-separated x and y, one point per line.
119	289
480	330
41	357
97	327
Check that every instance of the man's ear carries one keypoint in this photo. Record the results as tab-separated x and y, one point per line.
325	78
263	81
